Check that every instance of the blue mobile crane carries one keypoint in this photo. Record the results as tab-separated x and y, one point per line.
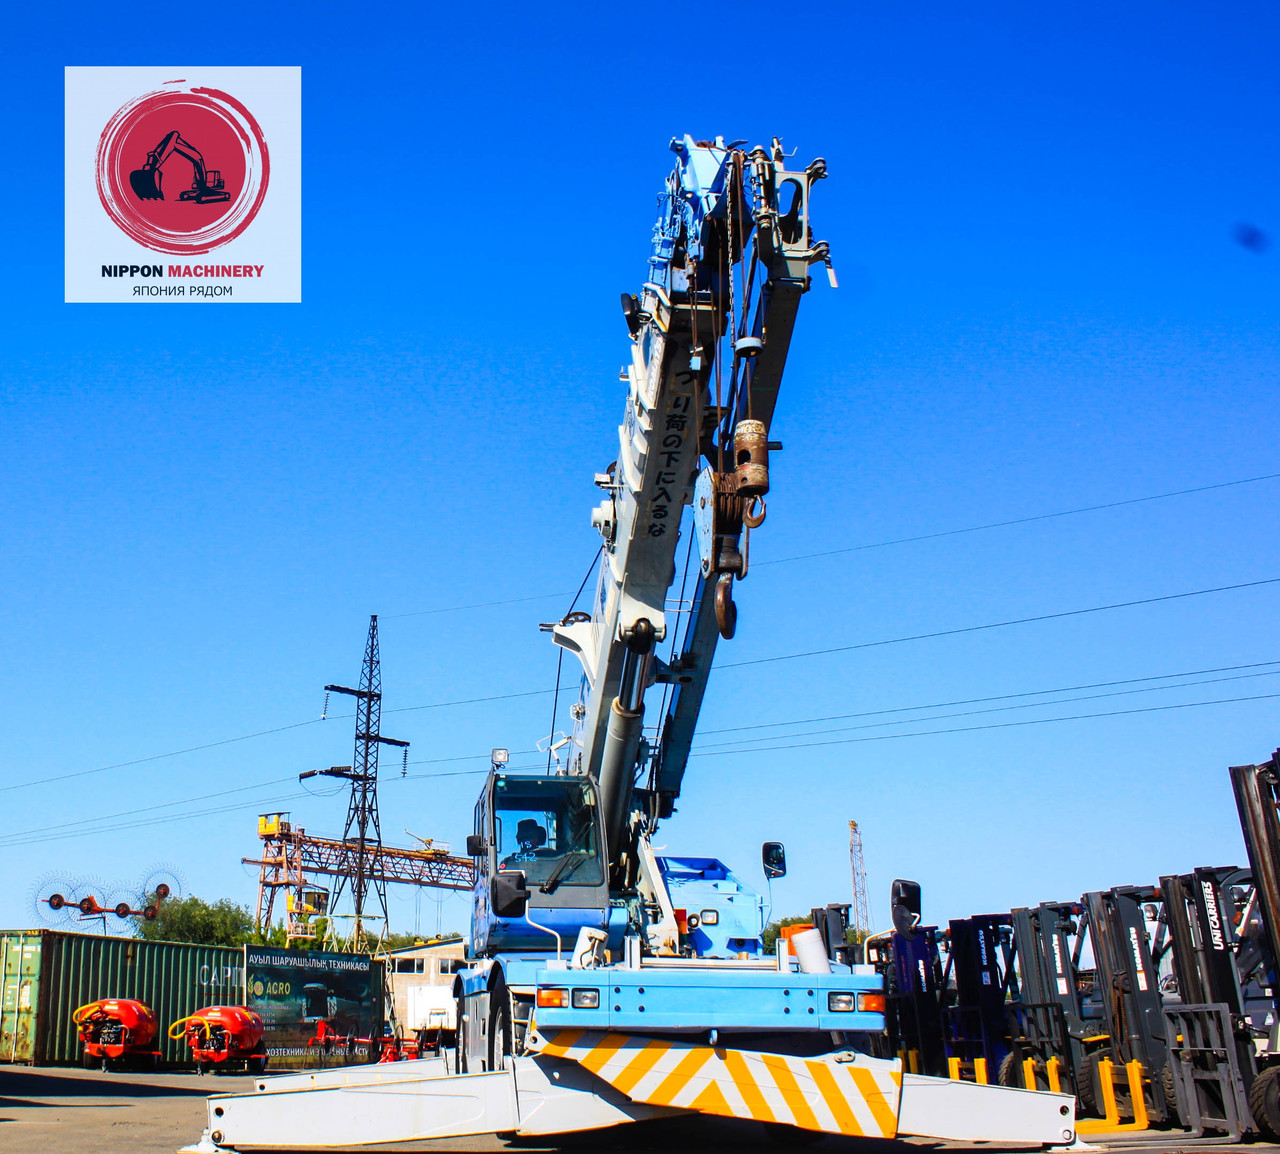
609	983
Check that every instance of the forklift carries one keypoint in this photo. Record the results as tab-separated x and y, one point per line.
1054	1023
909	960
1069	1018
1216	1004
1245	913
1127	988
978	980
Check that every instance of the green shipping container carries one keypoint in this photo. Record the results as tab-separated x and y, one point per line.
46	975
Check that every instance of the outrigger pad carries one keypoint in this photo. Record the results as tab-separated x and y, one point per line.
146	184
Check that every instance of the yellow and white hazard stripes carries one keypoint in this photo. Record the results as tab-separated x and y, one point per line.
858	1097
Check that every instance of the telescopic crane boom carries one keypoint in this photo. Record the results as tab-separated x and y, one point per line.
710	330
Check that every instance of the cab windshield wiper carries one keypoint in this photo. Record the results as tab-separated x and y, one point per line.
562	868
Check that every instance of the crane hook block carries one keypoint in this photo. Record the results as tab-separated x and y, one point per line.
751	456
726	608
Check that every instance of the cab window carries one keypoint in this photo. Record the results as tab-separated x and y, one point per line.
538	823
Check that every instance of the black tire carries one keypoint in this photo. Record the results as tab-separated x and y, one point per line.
1264	1103
90	1062
785	1135
460	1032
1171	1115
257	1065
1087	1082
501	1046
1010	1073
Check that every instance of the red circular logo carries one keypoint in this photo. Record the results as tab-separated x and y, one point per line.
182	170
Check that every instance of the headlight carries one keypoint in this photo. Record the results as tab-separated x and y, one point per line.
842	1003
553	999
586	999
710	917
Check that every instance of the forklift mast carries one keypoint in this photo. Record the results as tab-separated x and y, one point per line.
1050	1013
1128	982
1199	922
980	978
1255	788
914	990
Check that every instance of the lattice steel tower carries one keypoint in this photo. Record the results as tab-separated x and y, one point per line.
859	915
364	830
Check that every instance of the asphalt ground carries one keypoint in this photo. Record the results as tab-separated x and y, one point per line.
49	1110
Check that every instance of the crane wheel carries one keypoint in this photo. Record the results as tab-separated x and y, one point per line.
501	1049
785	1135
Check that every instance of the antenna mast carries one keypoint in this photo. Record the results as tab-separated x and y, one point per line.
860	915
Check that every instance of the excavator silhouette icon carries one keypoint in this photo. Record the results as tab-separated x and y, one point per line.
207	186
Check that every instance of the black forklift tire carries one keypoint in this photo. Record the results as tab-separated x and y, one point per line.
1170	1092
90	1062
1009	1073
1086	1083
256	1065
1264	1103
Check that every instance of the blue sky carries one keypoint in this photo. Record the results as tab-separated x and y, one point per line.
1042	306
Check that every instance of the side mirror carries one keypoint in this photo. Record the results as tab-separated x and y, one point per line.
773	857
906	907
477	845
508	895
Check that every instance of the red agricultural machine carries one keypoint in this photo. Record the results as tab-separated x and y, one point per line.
224	1038
117	1034
90	907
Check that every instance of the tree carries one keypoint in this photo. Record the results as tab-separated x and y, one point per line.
222	923
773	929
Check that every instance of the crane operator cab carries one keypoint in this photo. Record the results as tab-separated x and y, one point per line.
550	830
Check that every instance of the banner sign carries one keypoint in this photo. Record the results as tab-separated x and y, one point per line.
319	1009
183	185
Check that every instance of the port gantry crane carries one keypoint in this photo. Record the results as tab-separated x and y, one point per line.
606	983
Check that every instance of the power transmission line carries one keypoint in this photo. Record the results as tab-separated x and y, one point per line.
1019	520
475	605
1001	624
993	709
158	756
976	728
148	822
729	665
7	838
997	697
902	540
